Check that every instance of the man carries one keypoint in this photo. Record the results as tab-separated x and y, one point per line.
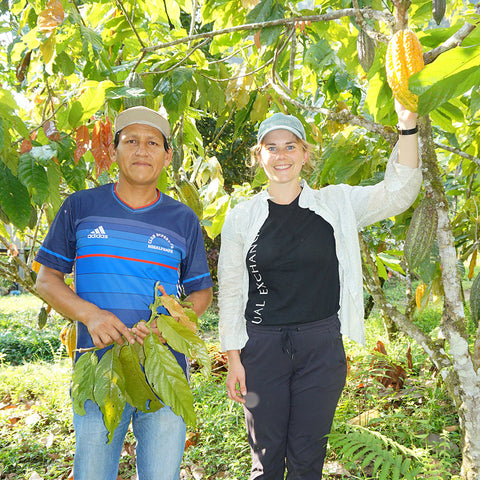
121	239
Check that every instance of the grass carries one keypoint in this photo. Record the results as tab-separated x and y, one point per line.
36	433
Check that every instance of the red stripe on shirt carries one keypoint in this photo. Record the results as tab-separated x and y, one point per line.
127	258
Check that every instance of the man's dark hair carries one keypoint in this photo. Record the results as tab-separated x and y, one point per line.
116	141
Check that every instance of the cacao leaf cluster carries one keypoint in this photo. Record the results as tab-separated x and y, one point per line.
146	376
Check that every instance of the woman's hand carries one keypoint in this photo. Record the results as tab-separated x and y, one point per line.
406	118
236	388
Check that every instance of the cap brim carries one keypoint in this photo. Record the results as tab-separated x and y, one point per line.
297	133
143	116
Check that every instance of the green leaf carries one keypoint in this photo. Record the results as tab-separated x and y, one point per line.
109	389
76	114
54	180
93	98
215	213
319	54
14	198
382	271
138	391
184	340
34	177
162	183
42	154
167	379
83	380
2	135
7	101
449	76
75	175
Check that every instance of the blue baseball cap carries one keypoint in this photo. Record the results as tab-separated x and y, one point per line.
280	121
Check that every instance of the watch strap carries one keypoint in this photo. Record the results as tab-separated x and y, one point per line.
410	131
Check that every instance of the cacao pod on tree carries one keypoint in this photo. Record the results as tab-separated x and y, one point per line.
421	233
404	58
134	81
475	299
420	292
438	9
68	336
365	50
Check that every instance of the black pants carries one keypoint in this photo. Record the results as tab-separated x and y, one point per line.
295	376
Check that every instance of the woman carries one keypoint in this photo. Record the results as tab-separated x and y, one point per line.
290	284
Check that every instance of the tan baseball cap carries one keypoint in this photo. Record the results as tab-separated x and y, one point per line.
143	116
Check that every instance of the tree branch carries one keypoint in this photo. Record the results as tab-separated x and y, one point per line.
327	17
458	152
129	20
454	41
183	60
344	116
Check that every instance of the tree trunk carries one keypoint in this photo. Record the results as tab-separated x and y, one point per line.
456	366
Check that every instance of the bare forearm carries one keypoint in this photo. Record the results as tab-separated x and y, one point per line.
63	299
104	327
407	144
201	300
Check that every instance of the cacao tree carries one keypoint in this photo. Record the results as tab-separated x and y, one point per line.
68	67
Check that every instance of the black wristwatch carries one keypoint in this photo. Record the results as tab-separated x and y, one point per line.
411	131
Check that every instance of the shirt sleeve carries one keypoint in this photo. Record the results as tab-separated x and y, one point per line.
195	274
390	197
58	250
231	284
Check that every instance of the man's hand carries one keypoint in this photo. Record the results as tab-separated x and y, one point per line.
141	331
105	328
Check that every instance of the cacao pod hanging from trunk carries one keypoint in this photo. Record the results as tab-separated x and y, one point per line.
475	299
421	233
438	10
365	50
404	58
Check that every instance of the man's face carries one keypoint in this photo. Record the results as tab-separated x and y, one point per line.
141	155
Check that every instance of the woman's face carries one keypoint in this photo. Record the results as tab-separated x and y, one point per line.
282	156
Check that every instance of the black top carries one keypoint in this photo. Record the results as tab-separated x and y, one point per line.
293	268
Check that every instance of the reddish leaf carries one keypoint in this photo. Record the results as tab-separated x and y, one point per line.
82	140
51	131
192	439
380	348
51	17
409	357
257	40
102	145
26	146
22	67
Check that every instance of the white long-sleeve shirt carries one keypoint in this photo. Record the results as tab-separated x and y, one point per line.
347	208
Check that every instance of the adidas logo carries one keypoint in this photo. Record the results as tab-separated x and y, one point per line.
98	233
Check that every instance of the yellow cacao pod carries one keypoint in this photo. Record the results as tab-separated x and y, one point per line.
419	293
68	336
404	58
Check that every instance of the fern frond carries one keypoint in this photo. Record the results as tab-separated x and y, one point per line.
359	447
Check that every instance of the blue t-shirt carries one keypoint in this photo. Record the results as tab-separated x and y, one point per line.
120	253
